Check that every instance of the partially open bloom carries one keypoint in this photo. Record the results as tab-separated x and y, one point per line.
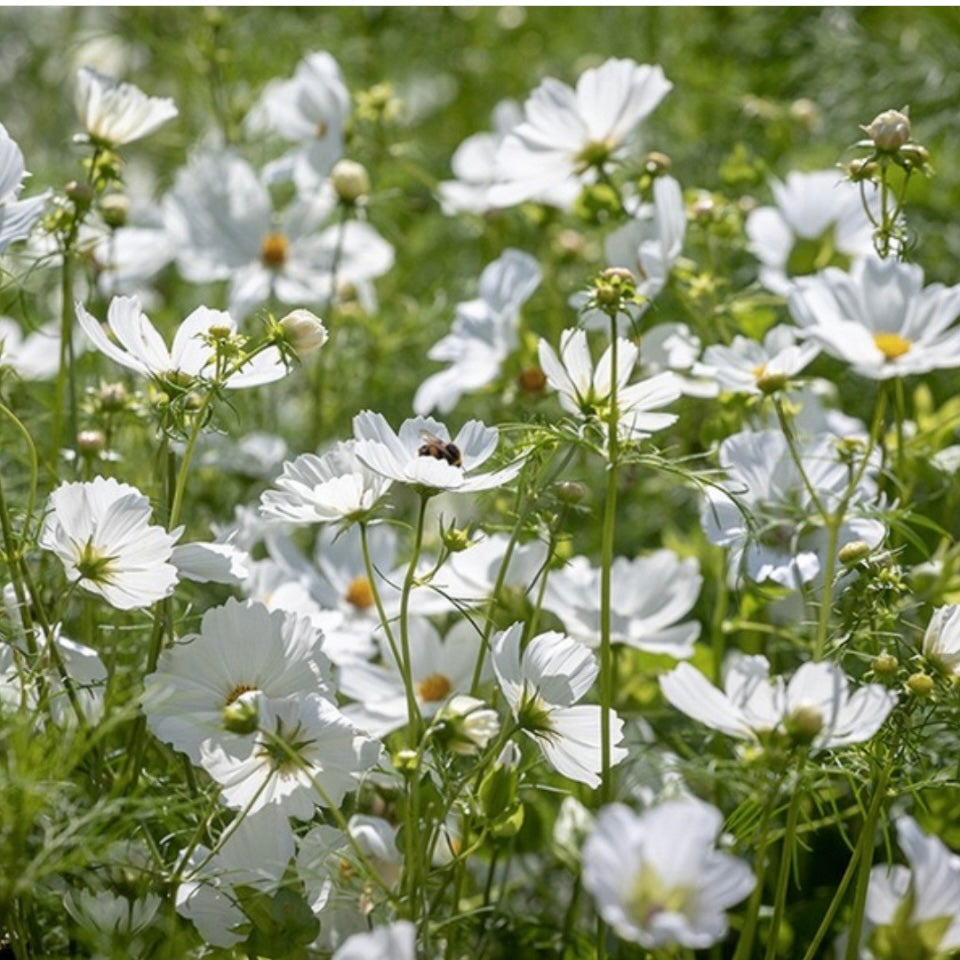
567	134
101	531
915	910
35	356
304	331
815	707
657	877
17	217
880	318
115	113
138	346
421	453
542	686
941	641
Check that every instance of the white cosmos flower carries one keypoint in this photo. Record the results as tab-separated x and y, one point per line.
816	706
649	595
329	754
818	221
397	941
657	877
17	217
567	133
138	346
35	356
919	905
439	669
764	513
115	113
483	335
223	214
101	531
676	348
746	366
311	110
880	318
256	853
330	488
471	575
941	641
421	453
542	686
585	389
474	164
241	648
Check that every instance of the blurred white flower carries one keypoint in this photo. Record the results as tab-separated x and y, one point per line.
474	164
471	575
108	921
242	648
138	346
542	686
101	531
648	596
880	318
657	877
483	335
394	942
941	641
815	707
115	113
17	217
765	515
915	910
818	221
422	454
35	356
566	134
675	348
330	488
311	110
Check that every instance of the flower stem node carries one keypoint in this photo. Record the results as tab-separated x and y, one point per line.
920	684
854	552
889	130
351	182
303	331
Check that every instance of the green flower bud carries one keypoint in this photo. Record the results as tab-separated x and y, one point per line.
920	684
115	209
885	664
854	552
804	723
350	180
243	715
889	130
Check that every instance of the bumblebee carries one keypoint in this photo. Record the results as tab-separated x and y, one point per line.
434	447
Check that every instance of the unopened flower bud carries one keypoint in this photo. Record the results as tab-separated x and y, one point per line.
469	725
243	715
885	664
703	208
113	397
80	193
889	130
570	243
862	169
853	552
532	380
219	331
920	684
115	209
915	154
570	492
90	442
406	761
456	539
804	723
350	181
656	163
304	331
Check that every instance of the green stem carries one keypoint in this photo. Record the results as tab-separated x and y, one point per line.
414	719
783	876
838	896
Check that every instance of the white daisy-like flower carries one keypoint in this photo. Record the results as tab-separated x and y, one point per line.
657	877
303	743
471	575
211	562
649	595
674	347
311	110
101	531
880	318
326	489
765	515
223	214
585	390
941	641
255	854
746	366
397	941
917	907
474	164
815	706
543	687
566	134
818	222
439	669
35	356
17	217
242	648
115	113
422	454
109	921
137	345
483	335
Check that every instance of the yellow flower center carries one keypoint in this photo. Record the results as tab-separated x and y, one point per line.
759	370
891	345
360	593
434	688
238	691
648	896
273	250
